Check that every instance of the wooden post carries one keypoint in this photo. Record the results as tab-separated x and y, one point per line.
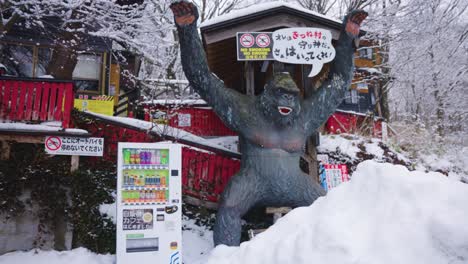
75	162
6	149
250	78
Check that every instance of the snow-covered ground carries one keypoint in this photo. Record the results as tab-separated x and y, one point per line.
385	214
75	256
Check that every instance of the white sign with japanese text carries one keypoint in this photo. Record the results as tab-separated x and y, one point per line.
185	120
304	46
79	146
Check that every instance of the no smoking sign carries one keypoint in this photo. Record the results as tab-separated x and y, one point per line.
247	40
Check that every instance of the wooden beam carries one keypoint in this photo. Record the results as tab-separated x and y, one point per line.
277	210
6	149
23	139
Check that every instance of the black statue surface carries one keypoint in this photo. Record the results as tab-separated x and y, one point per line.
274	125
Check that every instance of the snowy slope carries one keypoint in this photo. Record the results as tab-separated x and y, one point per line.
385	214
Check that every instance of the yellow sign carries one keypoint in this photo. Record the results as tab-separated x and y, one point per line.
95	106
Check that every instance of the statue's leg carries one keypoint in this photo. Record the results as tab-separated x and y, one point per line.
304	190
238	197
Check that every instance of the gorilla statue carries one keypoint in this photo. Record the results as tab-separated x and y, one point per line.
274	126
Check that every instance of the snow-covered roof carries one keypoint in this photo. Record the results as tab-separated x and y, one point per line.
40	128
369	70
257	8
176	102
171	81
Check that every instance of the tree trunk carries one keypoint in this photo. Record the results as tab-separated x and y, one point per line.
64	57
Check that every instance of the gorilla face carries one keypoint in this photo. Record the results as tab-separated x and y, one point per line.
280	101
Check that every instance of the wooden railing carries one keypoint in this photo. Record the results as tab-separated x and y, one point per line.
38	100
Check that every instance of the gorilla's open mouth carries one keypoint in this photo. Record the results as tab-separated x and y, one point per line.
284	110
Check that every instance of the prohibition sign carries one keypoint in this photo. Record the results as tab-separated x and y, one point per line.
263	40
247	40
53	143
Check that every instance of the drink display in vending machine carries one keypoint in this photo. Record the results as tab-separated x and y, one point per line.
149	228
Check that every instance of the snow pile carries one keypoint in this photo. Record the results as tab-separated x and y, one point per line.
347	146
353	149
385	214
197	241
75	256
109	211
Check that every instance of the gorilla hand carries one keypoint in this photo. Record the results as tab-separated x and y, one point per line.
185	13
353	22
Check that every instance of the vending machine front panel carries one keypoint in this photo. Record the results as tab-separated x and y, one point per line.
149	209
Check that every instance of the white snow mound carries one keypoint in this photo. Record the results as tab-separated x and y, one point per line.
385	214
75	256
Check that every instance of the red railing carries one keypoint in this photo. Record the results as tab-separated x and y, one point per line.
204	175
341	122
203	120
36	100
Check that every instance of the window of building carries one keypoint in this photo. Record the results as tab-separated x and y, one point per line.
352	97
366	53
16	60
87	72
44	56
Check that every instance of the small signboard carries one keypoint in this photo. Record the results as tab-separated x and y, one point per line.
74	146
254	46
100	104
304	46
185	120
289	45
333	175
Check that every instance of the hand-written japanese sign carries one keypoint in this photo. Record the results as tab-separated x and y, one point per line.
254	46
303	46
80	146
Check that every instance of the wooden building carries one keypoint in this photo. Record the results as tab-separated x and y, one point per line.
249	77
27	51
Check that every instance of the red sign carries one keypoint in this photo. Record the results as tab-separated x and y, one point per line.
53	143
263	40
247	40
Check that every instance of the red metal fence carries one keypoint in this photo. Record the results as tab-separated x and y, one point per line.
203	121
350	123
204	175
36	100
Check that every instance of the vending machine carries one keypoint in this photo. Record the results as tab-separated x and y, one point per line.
149	228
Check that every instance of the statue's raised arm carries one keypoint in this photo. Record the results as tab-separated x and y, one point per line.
321	104
227	103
